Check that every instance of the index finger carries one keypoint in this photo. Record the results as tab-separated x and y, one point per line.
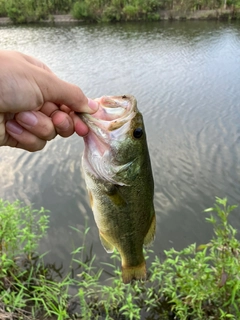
35	62
61	92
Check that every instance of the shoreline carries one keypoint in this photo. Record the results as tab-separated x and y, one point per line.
56	18
218	14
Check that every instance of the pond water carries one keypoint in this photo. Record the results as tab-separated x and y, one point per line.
186	78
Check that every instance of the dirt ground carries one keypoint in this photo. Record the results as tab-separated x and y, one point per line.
165	15
55	18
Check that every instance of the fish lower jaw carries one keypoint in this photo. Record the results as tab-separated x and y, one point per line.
138	272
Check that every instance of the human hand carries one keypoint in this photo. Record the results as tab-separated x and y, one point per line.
35	105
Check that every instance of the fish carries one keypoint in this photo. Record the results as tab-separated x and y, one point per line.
118	176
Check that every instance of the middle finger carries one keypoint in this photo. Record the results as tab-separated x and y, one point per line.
37	123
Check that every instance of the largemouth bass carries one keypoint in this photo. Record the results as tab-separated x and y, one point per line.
119	180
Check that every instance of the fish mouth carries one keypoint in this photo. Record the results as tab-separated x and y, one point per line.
113	117
107	130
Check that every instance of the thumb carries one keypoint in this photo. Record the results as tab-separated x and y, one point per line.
61	92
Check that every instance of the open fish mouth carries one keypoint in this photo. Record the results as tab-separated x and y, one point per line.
108	128
113	117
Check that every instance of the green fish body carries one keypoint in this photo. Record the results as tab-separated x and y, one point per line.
118	175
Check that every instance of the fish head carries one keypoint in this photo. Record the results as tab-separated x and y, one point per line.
116	142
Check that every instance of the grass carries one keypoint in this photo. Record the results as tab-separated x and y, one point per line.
29	11
194	283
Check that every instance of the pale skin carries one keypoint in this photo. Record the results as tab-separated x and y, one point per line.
35	105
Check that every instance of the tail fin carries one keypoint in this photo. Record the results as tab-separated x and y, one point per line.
134	273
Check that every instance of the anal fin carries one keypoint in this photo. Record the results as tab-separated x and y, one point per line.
151	233
106	245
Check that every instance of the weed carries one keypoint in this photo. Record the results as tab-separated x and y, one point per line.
198	282
203	282
25	11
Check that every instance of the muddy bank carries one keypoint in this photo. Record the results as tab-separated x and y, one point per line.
163	15
218	14
52	19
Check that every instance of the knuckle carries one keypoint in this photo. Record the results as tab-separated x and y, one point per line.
34	146
43	129
47	132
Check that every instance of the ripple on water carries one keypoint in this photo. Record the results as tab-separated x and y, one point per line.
185	77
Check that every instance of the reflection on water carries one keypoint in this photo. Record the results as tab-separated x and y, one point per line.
185	76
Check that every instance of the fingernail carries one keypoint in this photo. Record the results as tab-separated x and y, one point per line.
27	118
14	127
93	104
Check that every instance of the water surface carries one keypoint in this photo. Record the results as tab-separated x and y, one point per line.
185	76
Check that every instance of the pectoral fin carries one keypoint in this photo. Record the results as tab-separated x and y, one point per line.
114	194
151	233
106	245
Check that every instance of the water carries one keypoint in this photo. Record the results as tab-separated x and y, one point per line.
185	76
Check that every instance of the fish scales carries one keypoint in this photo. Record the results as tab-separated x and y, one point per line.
118	176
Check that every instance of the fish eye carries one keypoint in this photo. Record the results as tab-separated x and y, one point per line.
137	133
